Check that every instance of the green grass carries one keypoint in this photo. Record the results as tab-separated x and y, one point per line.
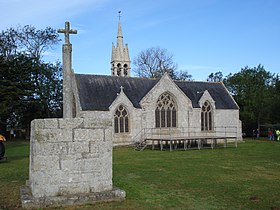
244	178
13	173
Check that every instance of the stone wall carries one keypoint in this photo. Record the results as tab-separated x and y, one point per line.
70	157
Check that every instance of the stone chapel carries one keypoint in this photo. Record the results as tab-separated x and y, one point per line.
137	106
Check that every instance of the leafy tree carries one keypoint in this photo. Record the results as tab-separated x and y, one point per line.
183	75
251	88
275	101
154	62
215	77
15	87
8	43
29	90
47	78
29	87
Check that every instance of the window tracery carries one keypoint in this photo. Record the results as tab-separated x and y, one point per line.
165	113
121	120
206	117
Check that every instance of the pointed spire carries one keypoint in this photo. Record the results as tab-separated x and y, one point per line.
119	37
120	30
120	61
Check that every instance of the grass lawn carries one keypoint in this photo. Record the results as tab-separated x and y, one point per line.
244	178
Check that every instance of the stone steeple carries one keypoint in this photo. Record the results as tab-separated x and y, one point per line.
120	61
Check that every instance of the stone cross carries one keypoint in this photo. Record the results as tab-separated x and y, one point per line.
68	100
67	31
121	88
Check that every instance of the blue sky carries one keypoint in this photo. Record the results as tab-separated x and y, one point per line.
204	36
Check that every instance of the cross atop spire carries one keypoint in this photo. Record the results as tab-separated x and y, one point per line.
67	31
119	15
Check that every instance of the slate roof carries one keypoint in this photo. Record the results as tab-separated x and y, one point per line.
194	91
97	92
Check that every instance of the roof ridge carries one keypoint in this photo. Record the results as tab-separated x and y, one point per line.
137	87
153	79
101	75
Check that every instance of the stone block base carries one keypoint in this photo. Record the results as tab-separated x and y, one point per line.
30	202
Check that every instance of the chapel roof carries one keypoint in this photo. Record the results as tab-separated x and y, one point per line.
97	92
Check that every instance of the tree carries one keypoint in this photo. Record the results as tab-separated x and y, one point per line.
183	75
29	90
8	43
215	77
15	87
48	88
29	87
155	61
275	103
252	90
27	40
35	42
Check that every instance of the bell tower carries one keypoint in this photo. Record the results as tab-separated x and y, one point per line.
120	61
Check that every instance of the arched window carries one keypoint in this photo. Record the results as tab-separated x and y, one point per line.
206	117
119	69
125	69
121	123
113	70
165	112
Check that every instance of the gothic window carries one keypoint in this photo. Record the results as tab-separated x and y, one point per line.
119	69
206	117
165	112
121	123
125	69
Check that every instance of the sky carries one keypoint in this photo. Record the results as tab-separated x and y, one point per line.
204	36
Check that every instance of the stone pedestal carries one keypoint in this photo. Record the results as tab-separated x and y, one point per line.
70	163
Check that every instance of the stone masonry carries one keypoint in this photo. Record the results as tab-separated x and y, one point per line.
70	163
67	71
144	117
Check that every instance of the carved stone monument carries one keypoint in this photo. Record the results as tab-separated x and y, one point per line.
70	158
67	71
